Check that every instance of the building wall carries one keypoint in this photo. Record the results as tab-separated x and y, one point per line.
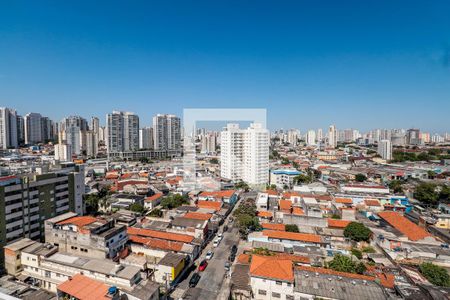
270	286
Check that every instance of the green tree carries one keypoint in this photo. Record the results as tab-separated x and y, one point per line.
360	177
396	186
214	161
435	274
444	194
302	179
246	217
144	160
173	201
157	213
342	263
357	232
291	228
357	253
242	185
423	156
136	207
427	193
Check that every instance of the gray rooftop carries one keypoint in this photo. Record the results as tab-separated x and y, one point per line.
336	287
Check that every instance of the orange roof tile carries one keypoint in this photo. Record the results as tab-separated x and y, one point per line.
197	216
84	288
244	259
284	235
285	205
288	195
333	272
154	197
387	280
335	223
272	267
218	194
157	243
216	205
344	200
265	214
372	202
178	237
272	226
294	258
78	221
297	211
272	192
405	226
126	175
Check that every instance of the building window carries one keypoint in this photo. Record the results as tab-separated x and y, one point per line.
262	292
289	284
276	295
289	297
278	282
47	274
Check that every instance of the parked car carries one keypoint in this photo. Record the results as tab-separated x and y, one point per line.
216	242
220	235
232	257
202	266
209	254
227	266
225	228
194	280
234	249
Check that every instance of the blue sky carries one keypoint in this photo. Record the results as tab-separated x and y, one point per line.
357	64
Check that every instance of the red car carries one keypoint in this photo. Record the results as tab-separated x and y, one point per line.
202	265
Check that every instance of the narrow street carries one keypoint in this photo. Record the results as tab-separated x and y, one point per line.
214	276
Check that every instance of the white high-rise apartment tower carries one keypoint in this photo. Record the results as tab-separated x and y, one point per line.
311	137
319	135
245	154
166	132
146	138
33	128
8	128
122	131
332	136
385	149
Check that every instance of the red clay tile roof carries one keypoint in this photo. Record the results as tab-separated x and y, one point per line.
285	205
154	197
243	259
344	200
387	280
405	226
84	288
153	243
78	221
170	236
218	194
288	195
335	223
336	273
304	237
112	175
272	226
197	216
272	267
126	175
272	192
297	211
265	214
372	202
216	205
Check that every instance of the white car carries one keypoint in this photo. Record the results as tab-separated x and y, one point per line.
216	242
220	235
209	254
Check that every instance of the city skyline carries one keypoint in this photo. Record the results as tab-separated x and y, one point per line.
349	64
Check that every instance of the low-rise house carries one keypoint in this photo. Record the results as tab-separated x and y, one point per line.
48	268
197	228
288	239
86	236
271	278
169	268
225	196
153	201
319	283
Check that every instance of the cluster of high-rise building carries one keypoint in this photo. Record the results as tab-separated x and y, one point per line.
16	130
